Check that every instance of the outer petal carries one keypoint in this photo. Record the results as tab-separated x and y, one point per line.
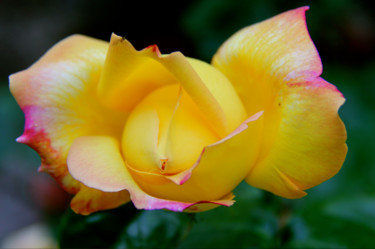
89	200
57	95
308	146
275	67
256	59
107	172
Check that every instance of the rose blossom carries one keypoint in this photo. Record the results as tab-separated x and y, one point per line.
114	124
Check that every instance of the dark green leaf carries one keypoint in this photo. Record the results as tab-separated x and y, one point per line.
345	223
156	229
250	223
98	230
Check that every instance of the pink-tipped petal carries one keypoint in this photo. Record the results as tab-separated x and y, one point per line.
57	95
108	173
275	67
308	145
258	58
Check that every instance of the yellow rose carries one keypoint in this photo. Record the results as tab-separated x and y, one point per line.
114	124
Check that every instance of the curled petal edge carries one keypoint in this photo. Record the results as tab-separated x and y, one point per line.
93	173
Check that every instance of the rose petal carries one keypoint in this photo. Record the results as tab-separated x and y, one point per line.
57	95
275	67
89	200
223	91
308	146
149	203
208	205
257	58
107	172
98	155
129	75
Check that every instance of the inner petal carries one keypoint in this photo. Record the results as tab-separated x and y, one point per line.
166	132
129	75
223	91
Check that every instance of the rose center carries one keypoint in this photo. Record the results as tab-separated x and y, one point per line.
166	132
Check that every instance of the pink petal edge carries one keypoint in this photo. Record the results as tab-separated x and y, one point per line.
148	202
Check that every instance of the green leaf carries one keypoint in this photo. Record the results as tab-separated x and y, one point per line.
345	223
251	222
98	230
360	210
156	229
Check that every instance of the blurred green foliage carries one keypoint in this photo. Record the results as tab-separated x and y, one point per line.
258	220
339	213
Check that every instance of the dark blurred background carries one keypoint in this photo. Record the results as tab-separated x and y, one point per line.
343	32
